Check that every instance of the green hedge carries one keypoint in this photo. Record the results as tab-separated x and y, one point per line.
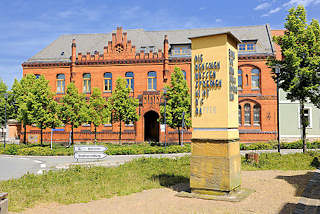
113	149
135	149
283	145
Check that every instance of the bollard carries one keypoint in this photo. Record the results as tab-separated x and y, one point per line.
3	203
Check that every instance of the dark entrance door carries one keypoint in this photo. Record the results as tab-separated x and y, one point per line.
151	126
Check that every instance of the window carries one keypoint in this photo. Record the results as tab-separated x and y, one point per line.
307	116
255	78
242	47
248	46
86	83
256	115
107	82
239	79
178	50
184	75
240	115
60	83
247	114
37	76
130	80
152	80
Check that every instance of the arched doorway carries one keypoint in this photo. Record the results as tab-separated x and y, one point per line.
151	126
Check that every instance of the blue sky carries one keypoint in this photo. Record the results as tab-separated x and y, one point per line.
27	26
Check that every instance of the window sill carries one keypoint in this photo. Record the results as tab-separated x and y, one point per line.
107	91
255	89
247	125
129	125
107	125
86	125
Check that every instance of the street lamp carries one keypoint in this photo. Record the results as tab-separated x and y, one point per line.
277	72
5	119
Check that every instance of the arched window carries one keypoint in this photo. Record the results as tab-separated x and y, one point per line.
184	75
130	80
107	82
240	115
255	78
60	83
256	114
86	83
240	79
247	114
152	80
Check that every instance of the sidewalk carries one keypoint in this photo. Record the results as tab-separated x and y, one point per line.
309	202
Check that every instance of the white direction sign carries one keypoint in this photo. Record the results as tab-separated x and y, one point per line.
89	148
89	155
89	152
163	127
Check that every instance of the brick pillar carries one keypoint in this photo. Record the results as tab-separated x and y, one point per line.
165	58
73	60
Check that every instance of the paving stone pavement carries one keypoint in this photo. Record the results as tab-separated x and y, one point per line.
309	202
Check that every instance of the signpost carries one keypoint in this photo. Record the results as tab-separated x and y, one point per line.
89	152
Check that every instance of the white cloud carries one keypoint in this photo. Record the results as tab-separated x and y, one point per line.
218	20
272	12
305	3
262	6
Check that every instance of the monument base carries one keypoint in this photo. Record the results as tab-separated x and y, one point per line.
215	166
233	196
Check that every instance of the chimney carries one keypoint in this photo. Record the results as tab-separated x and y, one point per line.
73	59
165	58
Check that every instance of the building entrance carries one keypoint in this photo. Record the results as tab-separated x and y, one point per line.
151	126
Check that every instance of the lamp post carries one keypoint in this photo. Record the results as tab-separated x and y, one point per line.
277	72
5	119
164	120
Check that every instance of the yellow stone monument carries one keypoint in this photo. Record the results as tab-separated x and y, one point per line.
215	160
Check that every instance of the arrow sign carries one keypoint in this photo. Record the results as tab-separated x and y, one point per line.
89	155
90	148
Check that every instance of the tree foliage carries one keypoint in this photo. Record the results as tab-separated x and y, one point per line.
123	107
21	90
44	109
73	109
98	110
300	48
178	100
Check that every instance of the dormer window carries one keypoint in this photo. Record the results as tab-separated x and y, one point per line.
247	46
180	50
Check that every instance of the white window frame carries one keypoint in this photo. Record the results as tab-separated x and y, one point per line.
310	116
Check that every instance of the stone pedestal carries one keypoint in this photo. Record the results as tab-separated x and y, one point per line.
215	166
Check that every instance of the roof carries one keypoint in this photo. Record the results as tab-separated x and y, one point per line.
227	32
141	38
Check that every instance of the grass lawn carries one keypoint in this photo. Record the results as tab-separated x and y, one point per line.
83	184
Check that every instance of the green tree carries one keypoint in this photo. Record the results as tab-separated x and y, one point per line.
178	100
123	107
98	110
300	48
73	109
20	93
44	109
4	107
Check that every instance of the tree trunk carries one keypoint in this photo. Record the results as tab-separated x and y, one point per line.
72	134
120	132
41	136
25	133
95	134
179	134
303	126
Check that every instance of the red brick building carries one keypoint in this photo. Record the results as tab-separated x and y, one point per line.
146	60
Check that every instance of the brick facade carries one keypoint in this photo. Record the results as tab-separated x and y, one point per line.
120	56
